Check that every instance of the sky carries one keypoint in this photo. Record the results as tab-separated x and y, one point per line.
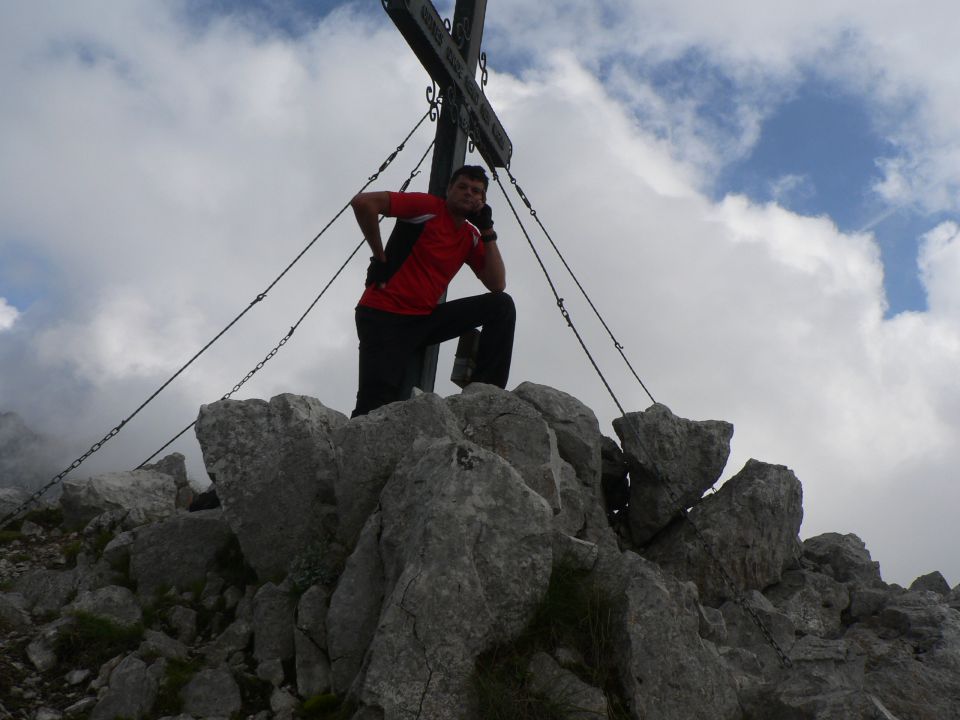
762	203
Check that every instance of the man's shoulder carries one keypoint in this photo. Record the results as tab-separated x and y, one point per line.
407	204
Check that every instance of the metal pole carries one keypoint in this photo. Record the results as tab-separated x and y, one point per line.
449	153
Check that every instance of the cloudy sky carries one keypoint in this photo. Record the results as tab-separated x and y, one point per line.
763	203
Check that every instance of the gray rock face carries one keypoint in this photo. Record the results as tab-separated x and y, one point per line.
175	466
131	692
178	552
274	466
815	602
934	582
843	557
503	424
672	462
211	693
369	448
466	553
751	524
46	591
666	669
13	612
273	610
11	498
113	603
310	642
574	697
574	424
150	492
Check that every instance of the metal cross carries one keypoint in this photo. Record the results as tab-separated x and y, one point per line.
465	114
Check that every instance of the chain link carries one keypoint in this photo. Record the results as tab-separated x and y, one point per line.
738	596
259	298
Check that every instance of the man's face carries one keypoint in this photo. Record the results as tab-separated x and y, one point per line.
465	196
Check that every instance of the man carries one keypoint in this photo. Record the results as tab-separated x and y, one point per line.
399	313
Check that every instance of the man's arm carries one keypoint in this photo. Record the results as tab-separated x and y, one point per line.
494	273
368	207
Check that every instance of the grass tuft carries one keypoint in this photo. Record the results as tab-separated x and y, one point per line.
89	641
574	614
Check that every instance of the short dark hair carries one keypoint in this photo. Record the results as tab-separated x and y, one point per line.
473	172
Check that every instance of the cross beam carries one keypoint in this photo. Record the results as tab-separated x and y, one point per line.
452	65
424	30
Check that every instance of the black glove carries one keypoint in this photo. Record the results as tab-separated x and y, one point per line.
377	273
482	218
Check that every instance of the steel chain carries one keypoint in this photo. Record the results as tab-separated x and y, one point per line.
738	596
259	298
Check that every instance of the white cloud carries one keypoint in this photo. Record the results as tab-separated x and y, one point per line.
8	314
170	175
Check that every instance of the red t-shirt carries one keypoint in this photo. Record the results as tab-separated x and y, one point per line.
436	255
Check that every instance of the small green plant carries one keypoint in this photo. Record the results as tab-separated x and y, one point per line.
71	551
574	614
321	561
46	517
100	541
178	674
8	536
89	641
326	707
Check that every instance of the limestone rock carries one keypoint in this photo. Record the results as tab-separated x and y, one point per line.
751	524
157	644
672	462
273	611
310	642
113	603
844	557
131	692
11	498
175	466
274	467
212	692
179	551
574	424
814	601
46	591
667	671
576	699
466	552
13	612
934	582
742	630
506	425
152	493
369	448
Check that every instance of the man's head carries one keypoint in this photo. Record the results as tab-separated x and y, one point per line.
474	172
467	191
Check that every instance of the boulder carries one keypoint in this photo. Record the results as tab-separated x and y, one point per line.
934	582
743	631
572	696
814	602
178	552
12	498
274	465
273	611
46	591
465	547
113	603
152	493
175	466
672	462
369	448
667	670
131	692
751	527
506	425
574	424
844	558
210	693
310	642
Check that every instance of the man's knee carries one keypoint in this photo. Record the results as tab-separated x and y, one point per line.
503	305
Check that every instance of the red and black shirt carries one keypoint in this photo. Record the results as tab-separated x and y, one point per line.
426	249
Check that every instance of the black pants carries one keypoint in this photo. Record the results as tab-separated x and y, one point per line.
389	340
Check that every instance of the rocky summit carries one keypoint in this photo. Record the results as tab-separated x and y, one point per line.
487	555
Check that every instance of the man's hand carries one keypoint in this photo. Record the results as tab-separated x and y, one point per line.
482	218
377	273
